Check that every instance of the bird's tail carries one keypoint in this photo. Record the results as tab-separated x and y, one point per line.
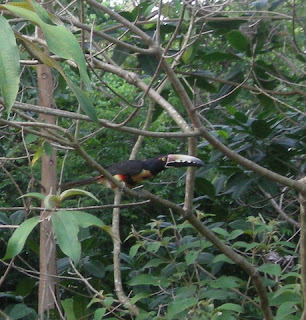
78	183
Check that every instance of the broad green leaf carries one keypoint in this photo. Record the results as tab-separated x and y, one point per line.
178	306
220	231
40	11
66	229
9	64
260	128
222	258
148	279
226	282
285	309
35	195
108	301
84	100
231	307
59	39
139	296
68	308
29	138
191	257
99	313
20	311
238	41
19	237
134	249
153	246
86	220
25	286
95	268
76	192
154	263
204	186
269	268
234	234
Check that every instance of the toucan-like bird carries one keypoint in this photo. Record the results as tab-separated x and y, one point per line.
133	172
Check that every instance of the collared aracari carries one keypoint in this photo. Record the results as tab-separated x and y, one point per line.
133	172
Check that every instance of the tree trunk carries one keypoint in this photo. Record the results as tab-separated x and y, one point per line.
48	280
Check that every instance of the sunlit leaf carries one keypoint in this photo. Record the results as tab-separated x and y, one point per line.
9	64
76	192
19	237
66	229
35	195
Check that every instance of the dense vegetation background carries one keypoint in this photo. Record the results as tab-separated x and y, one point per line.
222	80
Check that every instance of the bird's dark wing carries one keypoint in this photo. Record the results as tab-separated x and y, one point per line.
128	167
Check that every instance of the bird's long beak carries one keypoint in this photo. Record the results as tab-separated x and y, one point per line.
182	160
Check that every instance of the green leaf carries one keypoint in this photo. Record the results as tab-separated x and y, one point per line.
35	195
95	268
220	231
86	220
178	306
147	279
226	282
154	263
20	311
231	307
269	268
222	258
188	54
59	39
37	155
62	42
19	237
25	286
84	100
153	246
134	250
66	229
99	313
138	296
234	234
74	192
285	309
238	41
68	308
9	64
260	128
191	257
204	186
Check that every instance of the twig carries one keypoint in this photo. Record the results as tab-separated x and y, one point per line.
123	298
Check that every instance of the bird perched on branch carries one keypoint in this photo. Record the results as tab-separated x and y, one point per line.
132	172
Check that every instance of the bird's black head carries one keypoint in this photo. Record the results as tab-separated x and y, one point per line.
156	165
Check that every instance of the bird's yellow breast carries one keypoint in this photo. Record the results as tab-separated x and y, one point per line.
144	174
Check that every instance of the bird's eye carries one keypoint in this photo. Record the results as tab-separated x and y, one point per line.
163	159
